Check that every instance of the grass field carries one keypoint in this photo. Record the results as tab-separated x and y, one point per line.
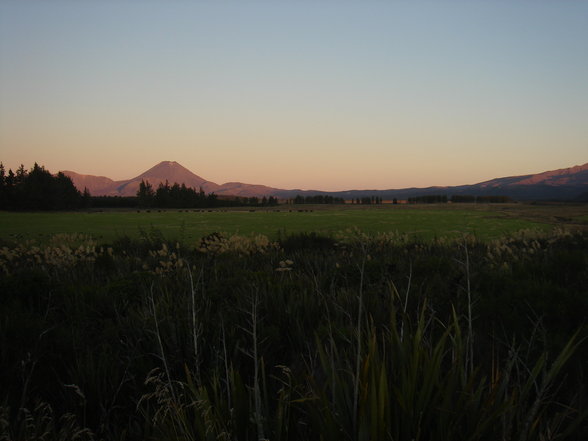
486	222
305	337
315	339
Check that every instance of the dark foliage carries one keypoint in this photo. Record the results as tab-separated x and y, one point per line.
367	200
113	202
38	189
180	196
428	199
266	342
317	199
307	241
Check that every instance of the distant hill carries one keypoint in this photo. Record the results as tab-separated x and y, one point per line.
569	184
97	185
563	184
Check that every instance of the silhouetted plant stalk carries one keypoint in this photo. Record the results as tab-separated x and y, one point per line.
256	372
469	359
196	328
160	343
359	335
405	306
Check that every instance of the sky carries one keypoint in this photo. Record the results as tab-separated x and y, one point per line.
329	95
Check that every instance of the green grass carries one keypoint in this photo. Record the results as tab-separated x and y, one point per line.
188	226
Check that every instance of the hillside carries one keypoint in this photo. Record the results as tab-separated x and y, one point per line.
563	184
97	185
169	171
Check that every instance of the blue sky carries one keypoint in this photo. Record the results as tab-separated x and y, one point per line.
329	95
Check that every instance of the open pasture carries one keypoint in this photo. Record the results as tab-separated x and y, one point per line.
486	221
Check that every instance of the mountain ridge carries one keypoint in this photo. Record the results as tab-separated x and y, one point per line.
567	183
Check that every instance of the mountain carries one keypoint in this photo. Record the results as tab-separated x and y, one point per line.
245	190
573	176
169	171
563	184
97	185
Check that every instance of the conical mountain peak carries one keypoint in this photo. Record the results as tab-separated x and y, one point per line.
169	170
166	171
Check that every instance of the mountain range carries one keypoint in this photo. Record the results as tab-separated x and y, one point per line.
563	184
169	171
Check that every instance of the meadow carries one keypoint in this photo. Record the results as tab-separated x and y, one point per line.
484	221
414	329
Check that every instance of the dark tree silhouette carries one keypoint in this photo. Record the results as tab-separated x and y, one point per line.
145	194
37	189
318	199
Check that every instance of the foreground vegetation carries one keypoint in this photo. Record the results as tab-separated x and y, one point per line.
313	337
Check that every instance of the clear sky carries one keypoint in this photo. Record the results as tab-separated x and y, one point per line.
328	95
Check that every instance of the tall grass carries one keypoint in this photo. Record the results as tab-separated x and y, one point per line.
367	338
413	388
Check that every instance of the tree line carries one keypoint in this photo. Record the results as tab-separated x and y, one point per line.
252	201
459	199
181	196
317	199
480	199
38	189
367	200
